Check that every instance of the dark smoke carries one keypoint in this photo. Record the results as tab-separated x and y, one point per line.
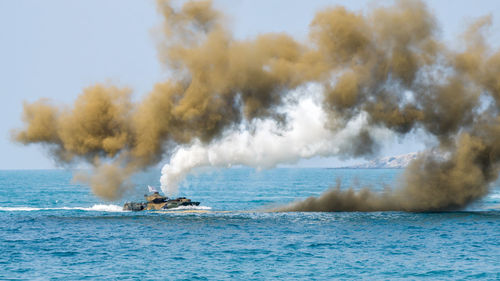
388	63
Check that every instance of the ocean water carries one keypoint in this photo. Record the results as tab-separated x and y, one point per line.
53	229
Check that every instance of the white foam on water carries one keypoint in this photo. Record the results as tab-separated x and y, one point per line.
10	209
96	208
104	208
494	196
191	208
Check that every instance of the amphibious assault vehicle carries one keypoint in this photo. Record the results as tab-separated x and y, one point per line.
156	201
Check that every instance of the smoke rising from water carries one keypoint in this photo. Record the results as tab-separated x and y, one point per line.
250	102
267	144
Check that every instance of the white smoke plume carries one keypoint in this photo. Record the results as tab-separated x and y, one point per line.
267	144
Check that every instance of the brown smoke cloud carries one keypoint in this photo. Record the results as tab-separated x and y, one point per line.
430	183
387	63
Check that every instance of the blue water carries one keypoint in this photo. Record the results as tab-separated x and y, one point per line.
53	229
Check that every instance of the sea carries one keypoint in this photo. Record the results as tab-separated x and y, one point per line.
52	228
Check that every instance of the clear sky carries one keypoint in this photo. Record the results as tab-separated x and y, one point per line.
55	48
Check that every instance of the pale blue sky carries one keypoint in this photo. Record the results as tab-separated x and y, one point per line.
54	48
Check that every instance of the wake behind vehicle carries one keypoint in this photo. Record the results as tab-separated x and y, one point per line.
156	201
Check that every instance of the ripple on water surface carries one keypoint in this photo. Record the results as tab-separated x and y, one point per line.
71	235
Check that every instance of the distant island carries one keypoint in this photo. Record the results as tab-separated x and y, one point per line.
391	162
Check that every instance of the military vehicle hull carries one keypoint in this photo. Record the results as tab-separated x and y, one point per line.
132	206
170	205
158	202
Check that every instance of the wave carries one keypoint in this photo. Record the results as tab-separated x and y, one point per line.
191	208
104	208
494	196
9	209
96	207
